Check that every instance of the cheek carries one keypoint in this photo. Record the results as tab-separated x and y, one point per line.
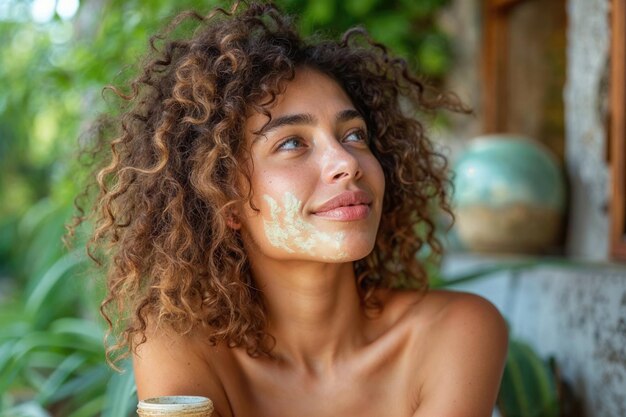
269	177
272	196
287	230
376	173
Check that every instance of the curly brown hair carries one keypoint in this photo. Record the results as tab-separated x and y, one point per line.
174	154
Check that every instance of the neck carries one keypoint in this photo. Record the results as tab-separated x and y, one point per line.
314	312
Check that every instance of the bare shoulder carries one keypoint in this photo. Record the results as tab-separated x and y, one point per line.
461	311
443	311
462	321
168	363
466	352
431	305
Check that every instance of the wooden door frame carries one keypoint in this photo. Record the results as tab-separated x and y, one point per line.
494	62
617	129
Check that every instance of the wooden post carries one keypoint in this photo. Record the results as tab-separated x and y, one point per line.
494	62
494	67
618	128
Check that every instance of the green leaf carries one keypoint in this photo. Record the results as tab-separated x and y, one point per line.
28	409
359	8
544	386
12	329
86	329
513	387
434	54
439	281
90	409
320	12
528	387
39	239
61	374
45	359
47	341
35	302
482	272
93	379
6	360
121	393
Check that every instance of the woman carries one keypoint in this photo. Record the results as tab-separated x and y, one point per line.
262	201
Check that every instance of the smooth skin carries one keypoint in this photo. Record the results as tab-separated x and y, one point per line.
437	354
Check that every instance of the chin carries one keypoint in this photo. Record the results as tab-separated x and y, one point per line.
350	251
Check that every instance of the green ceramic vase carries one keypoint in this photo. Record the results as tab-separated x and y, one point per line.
509	195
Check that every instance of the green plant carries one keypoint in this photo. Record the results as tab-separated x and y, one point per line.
529	385
407	27
51	346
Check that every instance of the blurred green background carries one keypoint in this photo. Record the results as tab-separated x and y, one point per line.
55	58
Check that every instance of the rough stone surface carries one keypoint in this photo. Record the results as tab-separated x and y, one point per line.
579	318
577	315
585	117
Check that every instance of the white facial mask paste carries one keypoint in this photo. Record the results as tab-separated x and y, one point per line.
288	231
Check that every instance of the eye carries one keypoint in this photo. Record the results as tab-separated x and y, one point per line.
357	135
290	144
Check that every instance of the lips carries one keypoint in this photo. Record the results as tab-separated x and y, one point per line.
349	205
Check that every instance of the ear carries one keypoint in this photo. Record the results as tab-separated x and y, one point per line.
233	219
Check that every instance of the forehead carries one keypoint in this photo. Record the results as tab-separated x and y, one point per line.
310	92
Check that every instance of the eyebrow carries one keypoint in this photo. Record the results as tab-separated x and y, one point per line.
304	119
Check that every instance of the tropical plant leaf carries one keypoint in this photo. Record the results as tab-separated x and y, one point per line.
528	387
439	281
94	379
28	409
86	329
40	242
91	408
13	326
121	393
35	302
62	373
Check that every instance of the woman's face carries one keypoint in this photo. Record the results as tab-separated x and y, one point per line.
317	186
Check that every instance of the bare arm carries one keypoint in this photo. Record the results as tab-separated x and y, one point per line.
170	364
466	367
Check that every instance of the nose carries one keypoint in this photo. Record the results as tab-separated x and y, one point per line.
339	163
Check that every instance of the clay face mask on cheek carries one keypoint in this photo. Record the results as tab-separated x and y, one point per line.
287	230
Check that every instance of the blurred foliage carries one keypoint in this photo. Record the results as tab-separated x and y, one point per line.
51	340
51	76
406	26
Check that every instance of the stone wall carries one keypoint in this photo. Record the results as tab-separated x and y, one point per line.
585	120
577	315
